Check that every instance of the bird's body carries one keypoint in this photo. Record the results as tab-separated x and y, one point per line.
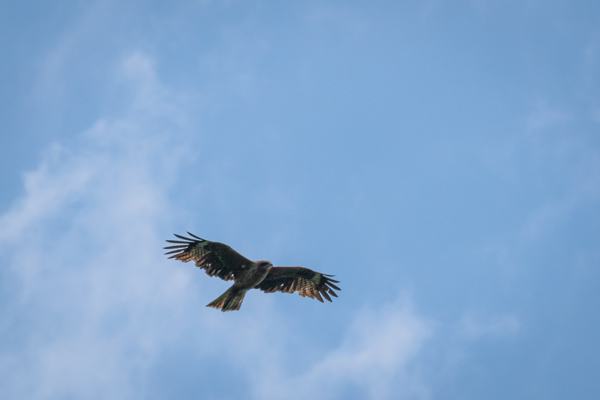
219	259
253	274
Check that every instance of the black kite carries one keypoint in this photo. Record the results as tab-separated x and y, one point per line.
218	259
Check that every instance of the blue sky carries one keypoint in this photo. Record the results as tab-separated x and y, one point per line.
442	159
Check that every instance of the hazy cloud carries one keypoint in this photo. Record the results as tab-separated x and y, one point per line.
375	359
95	304
82	246
478	325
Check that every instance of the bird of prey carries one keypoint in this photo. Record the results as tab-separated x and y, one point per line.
218	259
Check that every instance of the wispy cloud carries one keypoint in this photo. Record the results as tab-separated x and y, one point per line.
476	325
554	150
544	117
82	245
95	304
376	359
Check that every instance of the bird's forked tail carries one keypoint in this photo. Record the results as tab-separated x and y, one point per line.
230	300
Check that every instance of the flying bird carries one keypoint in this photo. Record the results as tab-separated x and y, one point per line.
218	259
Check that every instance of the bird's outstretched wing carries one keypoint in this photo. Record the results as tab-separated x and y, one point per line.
297	279
217	259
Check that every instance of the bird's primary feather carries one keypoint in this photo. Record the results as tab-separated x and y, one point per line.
217	259
306	282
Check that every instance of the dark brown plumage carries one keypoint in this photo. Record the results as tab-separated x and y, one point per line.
218	259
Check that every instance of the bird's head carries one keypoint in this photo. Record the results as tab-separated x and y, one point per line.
264	264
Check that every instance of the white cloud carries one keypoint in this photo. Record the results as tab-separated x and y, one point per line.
96	304
553	150
83	245
544	218
544	117
376	358
557	143
478	326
